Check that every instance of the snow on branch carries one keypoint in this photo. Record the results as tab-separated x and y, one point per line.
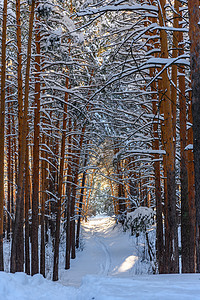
140	220
153	62
189	147
138	7
155	26
148	151
167	62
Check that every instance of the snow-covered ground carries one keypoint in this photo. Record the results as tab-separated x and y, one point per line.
108	251
139	287
105	269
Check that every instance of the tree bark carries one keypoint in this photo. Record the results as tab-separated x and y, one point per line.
60	185
159	220
194	34
185	220
81	203
187	254
89	193
68	200
167	137
36	160
191	190
174	71
17	249
9	163
27	201
2	128
43	200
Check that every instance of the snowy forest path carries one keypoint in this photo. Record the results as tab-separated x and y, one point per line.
104	266
106	250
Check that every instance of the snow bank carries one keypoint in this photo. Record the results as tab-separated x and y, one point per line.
20	286
150	287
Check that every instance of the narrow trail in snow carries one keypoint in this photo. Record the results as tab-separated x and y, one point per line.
107	264
106	251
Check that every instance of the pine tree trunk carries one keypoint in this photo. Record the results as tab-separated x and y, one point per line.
27	200
60	185
191	191
112	193
81	203
14	172
167	136
12	191
2	128
88	197
19	75
17	249
9	163
186	226
46	186
121	196
194	33
72	210
68	200
174	72
52	183
120	188
76	163
185	221
43	200
36	160
159	221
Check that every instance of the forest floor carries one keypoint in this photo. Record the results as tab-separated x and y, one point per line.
107	251
112	265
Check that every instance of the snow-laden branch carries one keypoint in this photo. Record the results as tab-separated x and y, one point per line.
155	26
167	62
137	7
